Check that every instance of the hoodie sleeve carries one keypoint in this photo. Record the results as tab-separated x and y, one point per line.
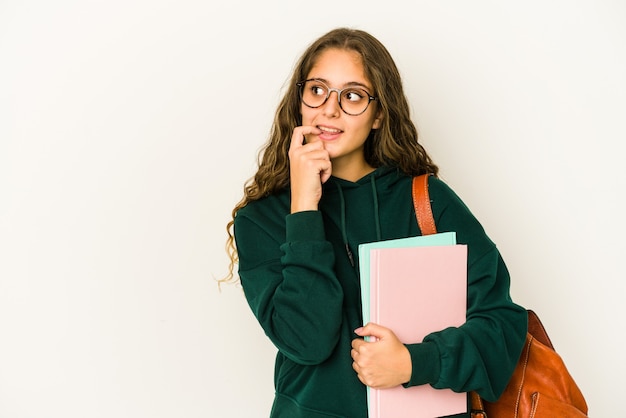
481	354
286	270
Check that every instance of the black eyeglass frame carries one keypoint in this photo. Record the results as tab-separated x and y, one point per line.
301	84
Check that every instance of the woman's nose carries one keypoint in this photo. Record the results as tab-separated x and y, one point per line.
332	107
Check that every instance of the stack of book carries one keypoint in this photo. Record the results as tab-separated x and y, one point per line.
414	286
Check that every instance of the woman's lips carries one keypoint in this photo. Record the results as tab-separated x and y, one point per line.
329	133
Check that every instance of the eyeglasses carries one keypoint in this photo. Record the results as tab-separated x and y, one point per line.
352	100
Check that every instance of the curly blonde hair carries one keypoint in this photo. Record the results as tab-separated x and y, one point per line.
393	144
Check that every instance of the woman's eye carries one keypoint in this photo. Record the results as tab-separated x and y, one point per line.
353	95
318	91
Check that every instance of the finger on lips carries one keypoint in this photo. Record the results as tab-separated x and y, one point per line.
299	134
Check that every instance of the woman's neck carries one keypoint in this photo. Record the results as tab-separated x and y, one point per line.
352	172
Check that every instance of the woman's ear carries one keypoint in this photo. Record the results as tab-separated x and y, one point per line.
378	121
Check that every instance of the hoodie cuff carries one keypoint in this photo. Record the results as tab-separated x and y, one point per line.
426	364
305	226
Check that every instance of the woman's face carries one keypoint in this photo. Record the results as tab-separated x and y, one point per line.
343	135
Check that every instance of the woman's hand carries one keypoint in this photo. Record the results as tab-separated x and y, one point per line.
309	166
382	363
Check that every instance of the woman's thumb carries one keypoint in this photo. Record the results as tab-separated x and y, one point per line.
371	330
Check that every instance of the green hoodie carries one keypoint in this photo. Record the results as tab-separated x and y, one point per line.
300	277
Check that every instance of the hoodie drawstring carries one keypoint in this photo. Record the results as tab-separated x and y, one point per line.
344	231
376	214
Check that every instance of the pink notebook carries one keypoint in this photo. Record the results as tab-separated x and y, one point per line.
416	291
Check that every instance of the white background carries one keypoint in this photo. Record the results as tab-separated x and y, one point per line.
127	130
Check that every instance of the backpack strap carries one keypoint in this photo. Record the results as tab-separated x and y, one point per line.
421	203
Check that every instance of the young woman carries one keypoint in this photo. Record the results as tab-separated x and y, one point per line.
335	173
